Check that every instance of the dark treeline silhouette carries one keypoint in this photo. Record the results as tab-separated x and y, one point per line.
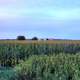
21	38
34	38
24	38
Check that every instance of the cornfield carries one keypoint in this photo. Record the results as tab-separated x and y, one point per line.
41	60
55	67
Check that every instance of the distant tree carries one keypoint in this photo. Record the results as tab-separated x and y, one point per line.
34	38
21	38
47	39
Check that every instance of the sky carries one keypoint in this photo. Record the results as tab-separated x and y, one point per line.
59	19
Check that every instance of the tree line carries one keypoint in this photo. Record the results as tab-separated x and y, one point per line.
24	38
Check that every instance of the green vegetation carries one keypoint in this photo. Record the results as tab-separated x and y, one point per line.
56	67
7	73
39	60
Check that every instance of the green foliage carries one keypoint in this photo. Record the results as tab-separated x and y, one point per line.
7	74
12	54
56	67
39	61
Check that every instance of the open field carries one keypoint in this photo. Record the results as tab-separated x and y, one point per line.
41	41
40	60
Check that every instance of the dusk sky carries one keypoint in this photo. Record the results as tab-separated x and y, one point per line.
41	18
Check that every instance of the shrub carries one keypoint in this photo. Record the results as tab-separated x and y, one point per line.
34	38
21	38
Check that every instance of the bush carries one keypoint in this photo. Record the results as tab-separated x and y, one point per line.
47	39
21	38
34	38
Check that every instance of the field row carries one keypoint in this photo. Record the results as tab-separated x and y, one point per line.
55	67
40	41
11	54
